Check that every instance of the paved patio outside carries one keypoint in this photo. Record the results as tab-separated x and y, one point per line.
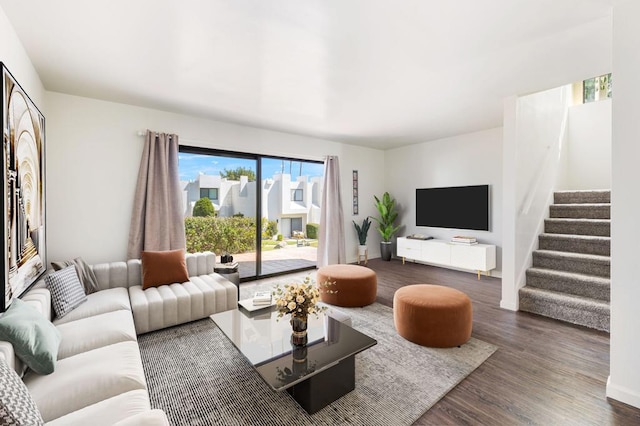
276	261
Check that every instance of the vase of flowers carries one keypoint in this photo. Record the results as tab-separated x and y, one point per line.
299	300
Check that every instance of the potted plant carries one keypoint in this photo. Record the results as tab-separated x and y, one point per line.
362	231
387	209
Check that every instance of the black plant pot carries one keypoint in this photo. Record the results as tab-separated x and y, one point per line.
386	250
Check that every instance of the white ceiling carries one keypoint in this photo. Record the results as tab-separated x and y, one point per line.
378	73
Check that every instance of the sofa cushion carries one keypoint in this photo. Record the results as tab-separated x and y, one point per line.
95	332
146	418
98	303
163	267
66	291
108	411
85	273
86	379
16	404
160	307
35	340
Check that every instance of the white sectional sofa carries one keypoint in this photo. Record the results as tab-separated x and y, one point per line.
98	377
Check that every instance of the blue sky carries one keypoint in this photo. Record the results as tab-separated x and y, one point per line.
191	165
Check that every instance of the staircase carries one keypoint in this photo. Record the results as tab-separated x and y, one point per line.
570	276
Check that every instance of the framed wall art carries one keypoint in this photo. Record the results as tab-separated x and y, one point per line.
23	199
355	192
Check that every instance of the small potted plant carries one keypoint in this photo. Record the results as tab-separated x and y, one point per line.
362	231
387	210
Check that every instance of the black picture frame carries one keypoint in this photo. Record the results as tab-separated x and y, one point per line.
23	201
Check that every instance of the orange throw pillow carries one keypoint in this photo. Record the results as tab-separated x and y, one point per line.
163	267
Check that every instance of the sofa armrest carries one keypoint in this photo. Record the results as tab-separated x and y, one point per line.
200	263
146	418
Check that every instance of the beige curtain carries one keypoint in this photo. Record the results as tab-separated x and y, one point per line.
157	221
331	245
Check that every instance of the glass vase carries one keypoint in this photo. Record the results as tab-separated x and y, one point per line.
299	330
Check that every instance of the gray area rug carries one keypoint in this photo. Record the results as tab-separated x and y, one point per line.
197	377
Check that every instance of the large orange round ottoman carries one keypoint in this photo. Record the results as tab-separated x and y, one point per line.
354	285
433	315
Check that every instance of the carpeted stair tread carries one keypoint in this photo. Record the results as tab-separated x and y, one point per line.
570	283
587	244
582	196
581	263
581	211
569	308
576	226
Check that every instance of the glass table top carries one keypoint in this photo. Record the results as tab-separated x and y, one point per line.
264	340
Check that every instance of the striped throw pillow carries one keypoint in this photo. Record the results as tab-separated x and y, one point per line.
66	290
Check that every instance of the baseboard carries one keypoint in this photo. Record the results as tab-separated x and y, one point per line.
511	305
622	394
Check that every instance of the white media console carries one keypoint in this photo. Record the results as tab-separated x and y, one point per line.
478	257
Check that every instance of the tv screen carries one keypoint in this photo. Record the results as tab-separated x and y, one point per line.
459	207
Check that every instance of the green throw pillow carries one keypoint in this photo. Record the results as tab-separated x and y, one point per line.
34	338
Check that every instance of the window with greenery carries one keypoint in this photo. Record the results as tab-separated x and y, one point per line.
249	217
296	195
597	88
210	193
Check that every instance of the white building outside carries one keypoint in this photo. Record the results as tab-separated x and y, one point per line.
291	204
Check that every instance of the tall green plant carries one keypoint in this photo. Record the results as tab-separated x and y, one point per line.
387	209
362	230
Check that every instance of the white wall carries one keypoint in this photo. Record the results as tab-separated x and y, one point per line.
624	379
471	159
94	155
534	134
15	58
589	146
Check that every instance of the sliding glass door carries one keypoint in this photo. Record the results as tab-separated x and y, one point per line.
290	205
263	211
220	197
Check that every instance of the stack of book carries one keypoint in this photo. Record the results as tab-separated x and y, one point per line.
459	239
262	298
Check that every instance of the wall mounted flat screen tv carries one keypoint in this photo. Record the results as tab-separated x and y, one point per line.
459	207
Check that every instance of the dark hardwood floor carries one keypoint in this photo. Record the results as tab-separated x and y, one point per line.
544	372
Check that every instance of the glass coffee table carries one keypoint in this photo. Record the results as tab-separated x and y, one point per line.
315	375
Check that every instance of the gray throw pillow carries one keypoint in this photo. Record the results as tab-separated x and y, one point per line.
85	273
17	407
34	338
66	291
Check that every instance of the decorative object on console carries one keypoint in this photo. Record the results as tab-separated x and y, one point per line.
34	338
163	267
23	197
85	273
388	214
300	300
362	231
459	239
66	290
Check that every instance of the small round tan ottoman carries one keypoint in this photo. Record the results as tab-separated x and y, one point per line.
433	315
355	285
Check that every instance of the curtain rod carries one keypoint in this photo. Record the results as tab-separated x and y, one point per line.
205	144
